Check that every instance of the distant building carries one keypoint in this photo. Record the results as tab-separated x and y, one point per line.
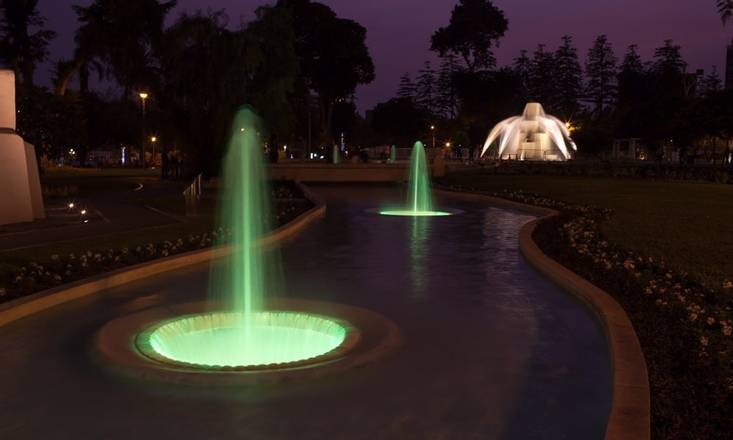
729	67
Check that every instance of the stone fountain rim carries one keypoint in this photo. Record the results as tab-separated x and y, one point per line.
451	212
373	337
353	335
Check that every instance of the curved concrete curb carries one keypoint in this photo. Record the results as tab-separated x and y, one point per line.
26	306
630	416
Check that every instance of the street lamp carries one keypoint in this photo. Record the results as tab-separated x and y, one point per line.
153	140
143	98
432	131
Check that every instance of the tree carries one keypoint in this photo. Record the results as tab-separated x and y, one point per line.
542	81
407	89
333	56
668	59
725	9
398	121
447	101
22	48
476	26
568	77
426	86
523	70
209	71
119	39
600	71
711	83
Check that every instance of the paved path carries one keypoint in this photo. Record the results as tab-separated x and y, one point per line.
492	350
117	209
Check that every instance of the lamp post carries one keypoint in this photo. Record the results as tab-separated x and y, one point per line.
143	99
432	131
153	140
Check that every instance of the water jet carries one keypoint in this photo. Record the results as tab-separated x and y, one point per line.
419	194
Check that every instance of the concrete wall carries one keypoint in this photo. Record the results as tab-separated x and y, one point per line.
20	187
15	192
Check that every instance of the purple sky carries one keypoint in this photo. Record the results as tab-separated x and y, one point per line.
399	30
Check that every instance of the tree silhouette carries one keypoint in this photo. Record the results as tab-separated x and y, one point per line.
600	71
407	89
475	28
426	88
725	9
23	40
569	78
333	56
117	38
522	68
447	101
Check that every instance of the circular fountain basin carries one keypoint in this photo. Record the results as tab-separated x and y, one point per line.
233	341
411	213
294	339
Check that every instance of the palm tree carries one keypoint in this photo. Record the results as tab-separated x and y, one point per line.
21	48
116	38
725	9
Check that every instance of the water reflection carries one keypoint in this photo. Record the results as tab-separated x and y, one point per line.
419	231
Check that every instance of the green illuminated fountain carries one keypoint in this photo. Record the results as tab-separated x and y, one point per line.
419	194
336	156
393	154
238	332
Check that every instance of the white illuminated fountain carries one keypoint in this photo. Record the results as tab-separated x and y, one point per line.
532	136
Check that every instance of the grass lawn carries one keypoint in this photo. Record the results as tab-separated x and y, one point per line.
687	224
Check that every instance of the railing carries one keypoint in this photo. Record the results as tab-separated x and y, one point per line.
192	194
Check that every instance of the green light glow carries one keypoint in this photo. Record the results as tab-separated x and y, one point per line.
420	197
393	154
419	194
229	340
336	159
243	334
409	213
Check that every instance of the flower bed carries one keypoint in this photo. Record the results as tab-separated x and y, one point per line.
55	269
685	329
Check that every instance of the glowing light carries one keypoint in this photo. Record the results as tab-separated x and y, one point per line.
71	205
219	339
83	212
143	95
419	195
411	213
534	135
153	139
243	334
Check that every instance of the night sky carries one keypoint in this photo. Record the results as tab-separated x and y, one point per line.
399	30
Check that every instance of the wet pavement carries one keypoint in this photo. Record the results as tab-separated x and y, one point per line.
492	349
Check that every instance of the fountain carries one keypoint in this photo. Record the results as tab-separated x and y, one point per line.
532	136
420	197
243	334
393	154
239	332
336	155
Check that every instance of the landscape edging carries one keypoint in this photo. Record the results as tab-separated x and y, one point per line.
630	416
40	301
